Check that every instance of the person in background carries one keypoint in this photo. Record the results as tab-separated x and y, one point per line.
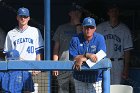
119	43
62	39
84	46
2	40
16	81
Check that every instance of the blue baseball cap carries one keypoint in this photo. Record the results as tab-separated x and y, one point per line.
23	12
88	21
12	55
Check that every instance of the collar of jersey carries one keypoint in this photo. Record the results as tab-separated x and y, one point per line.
22	30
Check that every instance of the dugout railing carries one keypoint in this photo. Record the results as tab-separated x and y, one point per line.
49	65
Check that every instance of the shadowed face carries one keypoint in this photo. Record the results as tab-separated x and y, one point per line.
88	31
23	20
113	13
75	14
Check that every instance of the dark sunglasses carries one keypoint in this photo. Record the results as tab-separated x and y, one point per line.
22	16
91	27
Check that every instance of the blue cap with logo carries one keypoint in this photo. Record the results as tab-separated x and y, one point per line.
12	55
23	12
88	21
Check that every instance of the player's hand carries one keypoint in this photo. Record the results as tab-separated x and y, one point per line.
79	60
55	73
35	72
77	65
93	57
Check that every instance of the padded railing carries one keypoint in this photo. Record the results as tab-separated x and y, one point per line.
49	65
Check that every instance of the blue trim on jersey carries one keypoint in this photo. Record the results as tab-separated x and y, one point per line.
79	46
39	48
40	51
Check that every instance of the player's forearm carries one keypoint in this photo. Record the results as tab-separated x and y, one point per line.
126	59
39	57
91	56
56	51
55	57
80	57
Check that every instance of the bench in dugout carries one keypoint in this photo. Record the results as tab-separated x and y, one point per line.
42	81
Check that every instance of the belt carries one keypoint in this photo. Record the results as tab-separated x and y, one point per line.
113	59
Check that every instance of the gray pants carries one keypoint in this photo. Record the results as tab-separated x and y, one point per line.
83	87
116	72
65	82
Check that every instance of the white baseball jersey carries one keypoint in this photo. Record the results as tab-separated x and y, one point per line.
118	39
28	42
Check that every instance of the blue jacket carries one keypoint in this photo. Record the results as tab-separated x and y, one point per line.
79	46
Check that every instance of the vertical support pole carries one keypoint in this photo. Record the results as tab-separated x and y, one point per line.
47	38
106	81
47	29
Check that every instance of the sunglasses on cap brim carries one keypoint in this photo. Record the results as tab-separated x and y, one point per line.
91	27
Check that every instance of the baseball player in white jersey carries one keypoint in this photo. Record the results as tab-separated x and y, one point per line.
118	42
24	38
27	42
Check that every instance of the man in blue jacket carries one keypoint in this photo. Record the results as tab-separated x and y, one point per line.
84	46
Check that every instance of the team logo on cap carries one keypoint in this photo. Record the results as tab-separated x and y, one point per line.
81	44
23	10
11	54
90	21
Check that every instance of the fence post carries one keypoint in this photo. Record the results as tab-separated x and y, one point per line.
47	37
106	81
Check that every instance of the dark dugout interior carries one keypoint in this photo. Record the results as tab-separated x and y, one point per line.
130	15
